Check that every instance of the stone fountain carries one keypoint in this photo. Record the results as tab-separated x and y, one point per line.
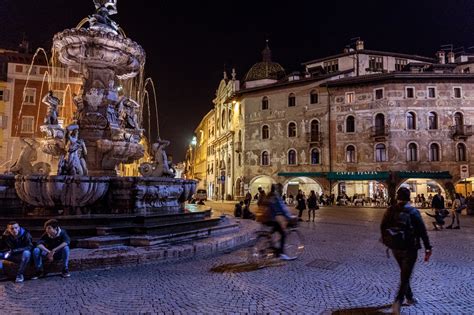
87	193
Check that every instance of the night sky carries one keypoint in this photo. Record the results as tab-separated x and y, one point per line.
188	43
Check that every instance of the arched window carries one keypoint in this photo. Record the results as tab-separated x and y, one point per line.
379	124
265	132
315	158
412	152
223	119
292	157
314	130
265	158
230	115
458	119
291	100
313	97
461	152
292	129
380	153
411	121
264	103
350	124
350	154
432	121
434	152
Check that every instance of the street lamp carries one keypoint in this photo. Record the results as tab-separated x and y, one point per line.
194	141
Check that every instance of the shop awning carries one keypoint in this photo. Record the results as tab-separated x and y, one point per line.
371	175
301	174
427	174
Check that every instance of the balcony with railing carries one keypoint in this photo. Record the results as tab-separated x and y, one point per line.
379	133
461	131
314	137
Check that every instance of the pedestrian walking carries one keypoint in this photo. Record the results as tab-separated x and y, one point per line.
300	204
312	205
459	204
402	227
438	201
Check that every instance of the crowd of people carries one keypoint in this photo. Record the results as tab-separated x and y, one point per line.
17	246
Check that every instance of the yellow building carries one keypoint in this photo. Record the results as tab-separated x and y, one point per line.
200	152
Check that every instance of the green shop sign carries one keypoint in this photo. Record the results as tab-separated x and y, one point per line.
369	175
425	174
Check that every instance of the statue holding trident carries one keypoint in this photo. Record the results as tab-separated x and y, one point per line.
101	20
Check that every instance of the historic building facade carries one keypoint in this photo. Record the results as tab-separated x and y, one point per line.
362	123
25	87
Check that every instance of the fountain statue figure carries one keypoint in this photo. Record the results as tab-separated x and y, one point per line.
23	165
101	20
160	167
53	102
73	162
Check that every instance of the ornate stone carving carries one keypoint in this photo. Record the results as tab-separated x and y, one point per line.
160	167
64	191
23	165
158	196
101	20
73	162
94	98
52	112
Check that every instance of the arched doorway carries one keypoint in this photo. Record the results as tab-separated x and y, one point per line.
306	184
424	187
369	190
263	181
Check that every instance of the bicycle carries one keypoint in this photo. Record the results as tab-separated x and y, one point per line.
265	247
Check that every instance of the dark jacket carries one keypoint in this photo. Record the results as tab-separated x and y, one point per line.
17	244
437	202
277	206
51	243
238	210
301	202
312	202
419	228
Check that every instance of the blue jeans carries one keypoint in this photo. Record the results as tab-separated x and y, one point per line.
62	254
22	258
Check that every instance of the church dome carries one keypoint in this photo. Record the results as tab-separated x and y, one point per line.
266	69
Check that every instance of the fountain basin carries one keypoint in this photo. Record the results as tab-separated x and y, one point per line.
148	195
96	49
61	190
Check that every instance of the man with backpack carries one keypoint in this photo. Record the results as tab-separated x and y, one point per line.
402	227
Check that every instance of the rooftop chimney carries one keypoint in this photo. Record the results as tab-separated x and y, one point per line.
441	57
451	57
359	45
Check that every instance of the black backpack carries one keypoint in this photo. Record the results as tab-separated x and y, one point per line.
399	233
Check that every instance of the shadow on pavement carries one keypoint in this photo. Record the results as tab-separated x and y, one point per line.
369	310
245	267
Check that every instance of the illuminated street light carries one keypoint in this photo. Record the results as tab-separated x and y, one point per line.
194	141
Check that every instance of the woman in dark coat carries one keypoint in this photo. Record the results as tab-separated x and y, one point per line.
312	205
301	204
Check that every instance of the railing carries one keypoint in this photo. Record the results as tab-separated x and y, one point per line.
461	131
314	137
379	131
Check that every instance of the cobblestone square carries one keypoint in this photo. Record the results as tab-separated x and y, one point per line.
344	270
